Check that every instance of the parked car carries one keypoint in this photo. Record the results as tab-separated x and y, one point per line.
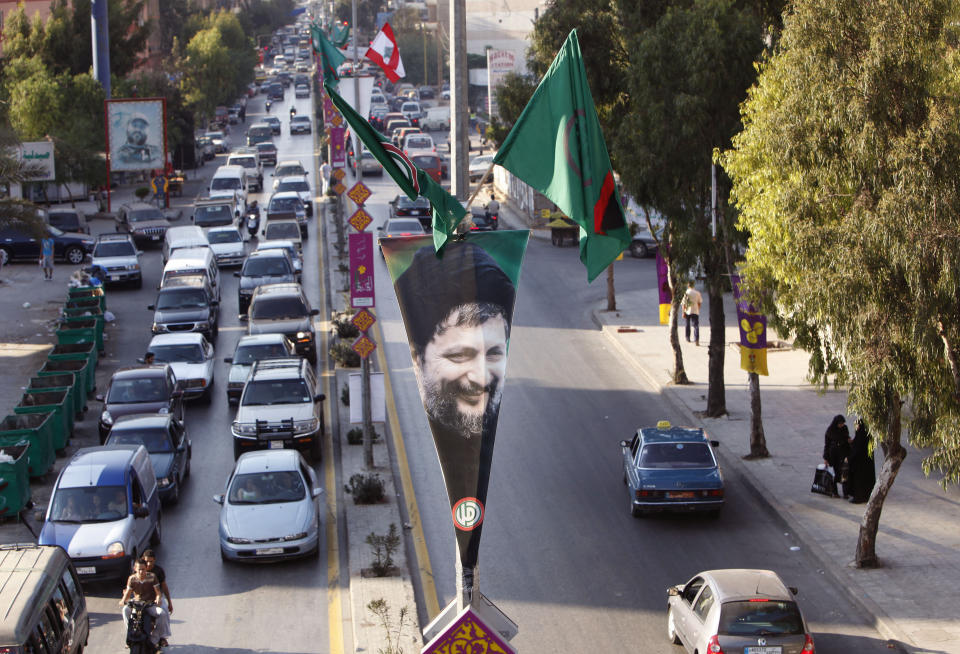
145	222
227	245
144	389
643	244
667	468
119	257
250	349
283	308
737	610
19	244
68	219
168	445
266	267
270	508
191	357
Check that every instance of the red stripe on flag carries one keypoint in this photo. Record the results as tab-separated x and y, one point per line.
600	208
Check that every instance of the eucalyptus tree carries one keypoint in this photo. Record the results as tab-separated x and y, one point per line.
845	175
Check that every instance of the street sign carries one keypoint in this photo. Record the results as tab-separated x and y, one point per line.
360	220
328	111
338	173
361	270
468	632
337	120
339	188
364	346
338	153
359	193
363	320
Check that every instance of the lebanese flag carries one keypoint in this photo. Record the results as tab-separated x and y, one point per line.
378	50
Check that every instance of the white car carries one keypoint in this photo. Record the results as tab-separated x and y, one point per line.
478	166
301	91
219	141
298	185
190	355
227	245
287	168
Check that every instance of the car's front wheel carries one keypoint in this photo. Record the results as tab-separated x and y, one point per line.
672	628
74	255
638	250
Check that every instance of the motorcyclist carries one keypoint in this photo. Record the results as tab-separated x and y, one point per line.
293	111
253	217
143	585
269	104
493	207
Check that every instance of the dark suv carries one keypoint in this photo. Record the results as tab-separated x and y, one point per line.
145	389
145	222
264	267
285	309
119	257
21	244
186	304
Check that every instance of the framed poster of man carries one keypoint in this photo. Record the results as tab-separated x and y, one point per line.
136	133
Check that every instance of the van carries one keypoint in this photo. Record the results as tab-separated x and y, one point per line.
104	510
436	118
193	261
41	602
185	236
231	182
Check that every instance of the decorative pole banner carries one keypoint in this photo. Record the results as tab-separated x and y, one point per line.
458	309
753	332
663	286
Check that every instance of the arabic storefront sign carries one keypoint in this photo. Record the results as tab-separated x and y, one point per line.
38	153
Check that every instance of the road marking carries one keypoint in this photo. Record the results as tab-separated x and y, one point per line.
413	511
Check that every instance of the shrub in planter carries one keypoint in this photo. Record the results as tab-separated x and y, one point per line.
342	325
355	436
365	488
344	355
345	395
142	192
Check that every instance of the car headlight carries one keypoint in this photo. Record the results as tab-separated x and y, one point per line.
304	337
245	428
106	418
115	550
299	536
203	325
305	426
164	481
239	541
133	266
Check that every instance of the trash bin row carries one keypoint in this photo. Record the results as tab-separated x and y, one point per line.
53	400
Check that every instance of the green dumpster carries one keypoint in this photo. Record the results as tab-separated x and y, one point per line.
80	331
54	401
83	292
68	322
14	480
34	428
62	382
78	368
78	352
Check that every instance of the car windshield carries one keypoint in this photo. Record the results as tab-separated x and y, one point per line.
216	215
293	185
403	226
245	355
273	245
137	391
178	353
758	618
114	249
282	231
267	488
288	169
155	439
246	162
676	455
403	202
268	148
143	215
278	308
276	391
89	504
301	119
426	162
181	298
284	204
225	236
225	184
266	267
419	142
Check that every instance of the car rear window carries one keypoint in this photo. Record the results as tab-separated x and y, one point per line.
226	236
281	231
266	267
760	618
247	354
278	308
676	455
426	162
214	215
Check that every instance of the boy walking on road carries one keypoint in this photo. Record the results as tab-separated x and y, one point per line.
691	310
46	257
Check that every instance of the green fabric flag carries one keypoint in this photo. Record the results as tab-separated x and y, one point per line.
447	210
330	57
559	125
341	32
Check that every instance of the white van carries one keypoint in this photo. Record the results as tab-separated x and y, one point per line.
185	236
231	182
436	118
193	261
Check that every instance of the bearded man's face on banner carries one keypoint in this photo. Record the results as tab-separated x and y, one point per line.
463	366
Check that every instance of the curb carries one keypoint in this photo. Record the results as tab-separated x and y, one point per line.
886	626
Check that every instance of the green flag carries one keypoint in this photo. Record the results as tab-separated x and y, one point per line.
447	210
341	32
330	57
556	147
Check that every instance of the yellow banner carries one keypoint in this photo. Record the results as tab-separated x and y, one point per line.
754	360
664	314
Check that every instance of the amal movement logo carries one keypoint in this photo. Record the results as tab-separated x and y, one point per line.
468	514
404	162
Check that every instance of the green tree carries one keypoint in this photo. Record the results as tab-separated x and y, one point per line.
512	96
845	174
14	212
366	15
207	58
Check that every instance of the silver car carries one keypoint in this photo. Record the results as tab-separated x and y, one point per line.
249	350
227	245
737	610
270	508
191	357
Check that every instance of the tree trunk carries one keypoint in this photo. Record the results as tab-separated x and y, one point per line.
758	441
716	395
894	454
679	373
611	291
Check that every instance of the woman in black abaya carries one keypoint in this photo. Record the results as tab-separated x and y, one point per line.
863	475
836	447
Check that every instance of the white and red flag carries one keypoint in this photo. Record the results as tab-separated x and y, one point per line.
383	50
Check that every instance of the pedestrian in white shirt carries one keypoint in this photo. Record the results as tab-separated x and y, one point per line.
691	311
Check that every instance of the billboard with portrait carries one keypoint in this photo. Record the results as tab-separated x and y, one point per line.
136	133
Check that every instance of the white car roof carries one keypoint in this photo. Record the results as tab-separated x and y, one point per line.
260	339
187	338
223	228
268	460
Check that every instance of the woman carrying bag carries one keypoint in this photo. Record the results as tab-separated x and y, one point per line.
836	447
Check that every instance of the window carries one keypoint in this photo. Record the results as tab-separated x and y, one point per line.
756	618
51	629
72	587
691	589
704	602
634	444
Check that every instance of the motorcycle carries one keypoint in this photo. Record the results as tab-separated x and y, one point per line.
293	111
253	221
139	628
268	105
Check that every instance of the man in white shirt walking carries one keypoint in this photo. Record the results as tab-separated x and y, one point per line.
691	310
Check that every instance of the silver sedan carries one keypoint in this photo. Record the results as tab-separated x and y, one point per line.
270	508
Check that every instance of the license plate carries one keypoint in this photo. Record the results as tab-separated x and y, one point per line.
87	570
276	445
114	278
762	650
155	237
270	551
686	494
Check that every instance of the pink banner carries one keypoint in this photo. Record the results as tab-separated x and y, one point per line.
361	270
338	154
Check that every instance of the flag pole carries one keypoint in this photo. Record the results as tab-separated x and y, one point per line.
480	185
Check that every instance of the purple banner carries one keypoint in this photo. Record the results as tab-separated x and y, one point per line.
338	152
361	270
753	332
663	286
328	108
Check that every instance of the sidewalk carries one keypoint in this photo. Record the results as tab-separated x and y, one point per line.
915	594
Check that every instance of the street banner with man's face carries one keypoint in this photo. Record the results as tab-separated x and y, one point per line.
136	133
458	309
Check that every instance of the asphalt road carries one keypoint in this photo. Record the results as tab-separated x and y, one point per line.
219	607
561	554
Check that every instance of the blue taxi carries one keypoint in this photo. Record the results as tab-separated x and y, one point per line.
668	468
